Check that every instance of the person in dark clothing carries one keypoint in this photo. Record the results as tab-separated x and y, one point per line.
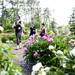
42	30
32	28
18	30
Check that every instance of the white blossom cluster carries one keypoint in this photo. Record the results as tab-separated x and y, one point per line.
39	69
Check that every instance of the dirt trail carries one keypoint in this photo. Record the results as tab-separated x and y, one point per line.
20	60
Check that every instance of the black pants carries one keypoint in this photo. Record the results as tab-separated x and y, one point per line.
18	37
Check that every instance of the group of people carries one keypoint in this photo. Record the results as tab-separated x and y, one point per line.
18	27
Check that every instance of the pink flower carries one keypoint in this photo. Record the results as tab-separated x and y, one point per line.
51	35
44	37
35	54
34	35
50	39
26	50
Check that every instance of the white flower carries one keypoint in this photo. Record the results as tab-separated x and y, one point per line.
47	69
43	73
54	52
7	41
73	66
37	67
64	65
11	41
33	73
3	72
1	28
51	47
59	52
66	74
72	52
42	69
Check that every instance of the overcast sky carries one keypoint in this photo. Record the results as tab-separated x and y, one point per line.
61	9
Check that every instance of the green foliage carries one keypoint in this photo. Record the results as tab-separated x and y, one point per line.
72	22
3	39
45	56
55	71
61	43
7	66
37	22
7	19
72	28
6	38
60	62
24	37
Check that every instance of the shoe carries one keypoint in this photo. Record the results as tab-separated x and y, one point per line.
17	47
20	46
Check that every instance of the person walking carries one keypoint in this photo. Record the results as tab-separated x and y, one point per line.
32	28
42	30
18	30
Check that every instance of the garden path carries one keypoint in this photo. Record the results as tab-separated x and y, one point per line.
20	60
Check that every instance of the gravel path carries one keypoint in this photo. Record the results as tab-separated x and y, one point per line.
20	60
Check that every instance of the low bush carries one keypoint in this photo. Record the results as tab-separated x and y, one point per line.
39	52
7	66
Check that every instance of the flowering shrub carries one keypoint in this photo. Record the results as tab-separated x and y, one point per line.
49	39
72	52
56	54
40	51
39	69
72	42
30	40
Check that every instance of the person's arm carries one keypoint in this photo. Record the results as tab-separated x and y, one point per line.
23	27
45	30
40	29
13	25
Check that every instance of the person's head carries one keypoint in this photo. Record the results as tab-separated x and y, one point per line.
43	24
17	17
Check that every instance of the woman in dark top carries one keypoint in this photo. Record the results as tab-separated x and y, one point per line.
32	30
42	32
18	30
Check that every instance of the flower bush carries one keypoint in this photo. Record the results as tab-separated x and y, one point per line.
56	54
45	70
40	51
39	69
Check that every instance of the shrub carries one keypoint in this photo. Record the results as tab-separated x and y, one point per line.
39	52
11	37
7	66
4	39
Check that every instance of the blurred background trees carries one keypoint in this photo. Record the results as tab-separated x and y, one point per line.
27	9
72	21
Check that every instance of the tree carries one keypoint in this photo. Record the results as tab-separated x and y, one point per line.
2	9
7	17
37	15
8	14
72	21
46	15
53	27
33	6
47	18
